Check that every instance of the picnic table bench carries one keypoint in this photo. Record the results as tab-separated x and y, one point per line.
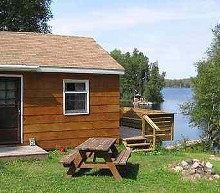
96	148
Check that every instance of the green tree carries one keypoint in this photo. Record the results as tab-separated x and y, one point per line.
204	109
136	72
137	75
25	15
154	85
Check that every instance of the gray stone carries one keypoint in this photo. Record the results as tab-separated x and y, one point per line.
210	171
192	171
195	165
195	160
186	173
216	176
200	171
178	169
196	176
209	165
185	165
190	162
210	178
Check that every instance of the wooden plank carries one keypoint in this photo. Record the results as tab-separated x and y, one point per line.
54	93
151	123
102	93
123	157
104	101
67	160
58	93
97	144
73	142
52	144
104	108
52	101
36	110
72	126
29	120
41	101
58	110
44	136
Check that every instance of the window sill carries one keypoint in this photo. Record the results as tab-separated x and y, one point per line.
67	114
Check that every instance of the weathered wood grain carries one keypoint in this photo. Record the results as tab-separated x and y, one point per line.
43	109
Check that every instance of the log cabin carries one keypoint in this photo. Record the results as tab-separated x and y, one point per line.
58	90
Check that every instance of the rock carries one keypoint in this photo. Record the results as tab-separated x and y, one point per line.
216	176
195	165
186	173
190	162
185	165
196	176
200	171
192	171
178	169
210	178
195	170
209	165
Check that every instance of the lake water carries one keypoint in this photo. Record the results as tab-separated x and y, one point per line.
173	98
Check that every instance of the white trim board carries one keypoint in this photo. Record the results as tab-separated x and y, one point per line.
86	91
60	69
22	99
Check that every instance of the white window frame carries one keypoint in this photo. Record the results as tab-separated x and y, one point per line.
86	91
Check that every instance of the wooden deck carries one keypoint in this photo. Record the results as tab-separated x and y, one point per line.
154	126
22	153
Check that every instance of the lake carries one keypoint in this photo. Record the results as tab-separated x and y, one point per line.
173	97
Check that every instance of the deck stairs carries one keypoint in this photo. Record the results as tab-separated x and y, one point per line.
154	128
138	143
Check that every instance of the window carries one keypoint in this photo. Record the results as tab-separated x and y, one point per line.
76	97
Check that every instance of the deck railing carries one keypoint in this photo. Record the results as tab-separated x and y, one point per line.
153	126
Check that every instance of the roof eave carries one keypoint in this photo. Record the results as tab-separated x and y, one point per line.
61	69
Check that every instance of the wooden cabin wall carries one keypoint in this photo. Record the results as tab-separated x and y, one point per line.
43	109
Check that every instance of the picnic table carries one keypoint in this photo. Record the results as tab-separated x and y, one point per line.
96	148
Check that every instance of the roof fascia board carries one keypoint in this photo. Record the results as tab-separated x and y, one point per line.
79	70
18	68
60	69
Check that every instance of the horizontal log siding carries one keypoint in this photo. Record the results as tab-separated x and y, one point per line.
43	109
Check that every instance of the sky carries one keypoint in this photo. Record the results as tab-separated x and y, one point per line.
176	33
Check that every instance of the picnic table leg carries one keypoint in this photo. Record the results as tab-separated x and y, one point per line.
111	166
114	150
71	171
76	164
84	155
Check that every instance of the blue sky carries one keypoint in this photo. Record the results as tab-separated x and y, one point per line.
174	33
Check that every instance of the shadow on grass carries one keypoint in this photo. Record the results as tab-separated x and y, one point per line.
129	172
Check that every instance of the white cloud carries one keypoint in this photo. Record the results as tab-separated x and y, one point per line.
182	40
114	18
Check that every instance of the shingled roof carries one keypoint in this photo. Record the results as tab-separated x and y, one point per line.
48	51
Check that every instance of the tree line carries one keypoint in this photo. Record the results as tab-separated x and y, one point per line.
178	83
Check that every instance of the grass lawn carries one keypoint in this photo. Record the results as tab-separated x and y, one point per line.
145	173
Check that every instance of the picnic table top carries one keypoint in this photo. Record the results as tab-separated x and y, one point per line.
97	144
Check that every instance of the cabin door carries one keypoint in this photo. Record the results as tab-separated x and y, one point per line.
10	110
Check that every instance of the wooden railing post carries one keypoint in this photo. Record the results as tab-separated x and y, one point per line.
154	138
143	127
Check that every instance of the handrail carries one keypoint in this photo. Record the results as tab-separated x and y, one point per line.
151	123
